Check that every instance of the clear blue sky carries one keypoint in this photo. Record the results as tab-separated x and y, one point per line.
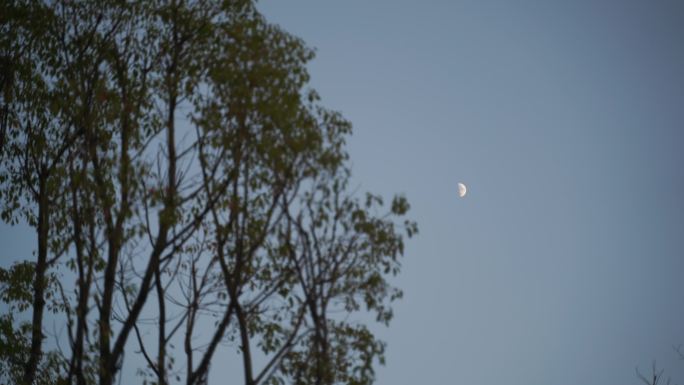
564	264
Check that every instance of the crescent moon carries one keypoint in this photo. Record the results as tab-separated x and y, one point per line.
462	190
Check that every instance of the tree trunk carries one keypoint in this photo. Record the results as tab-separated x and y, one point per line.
38	284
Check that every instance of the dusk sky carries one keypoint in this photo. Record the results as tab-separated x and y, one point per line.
564	263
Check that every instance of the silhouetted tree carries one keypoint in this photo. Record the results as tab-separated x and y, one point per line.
188	194
655	378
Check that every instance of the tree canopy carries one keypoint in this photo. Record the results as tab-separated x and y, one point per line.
189	194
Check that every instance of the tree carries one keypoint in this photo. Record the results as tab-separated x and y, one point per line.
178	174
656	378
34	145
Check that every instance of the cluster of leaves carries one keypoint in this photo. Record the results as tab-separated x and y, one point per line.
15	333
188	194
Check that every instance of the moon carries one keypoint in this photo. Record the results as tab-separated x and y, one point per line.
462	190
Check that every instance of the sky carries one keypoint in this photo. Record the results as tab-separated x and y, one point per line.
564	263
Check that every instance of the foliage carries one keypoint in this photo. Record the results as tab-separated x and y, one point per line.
178	173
